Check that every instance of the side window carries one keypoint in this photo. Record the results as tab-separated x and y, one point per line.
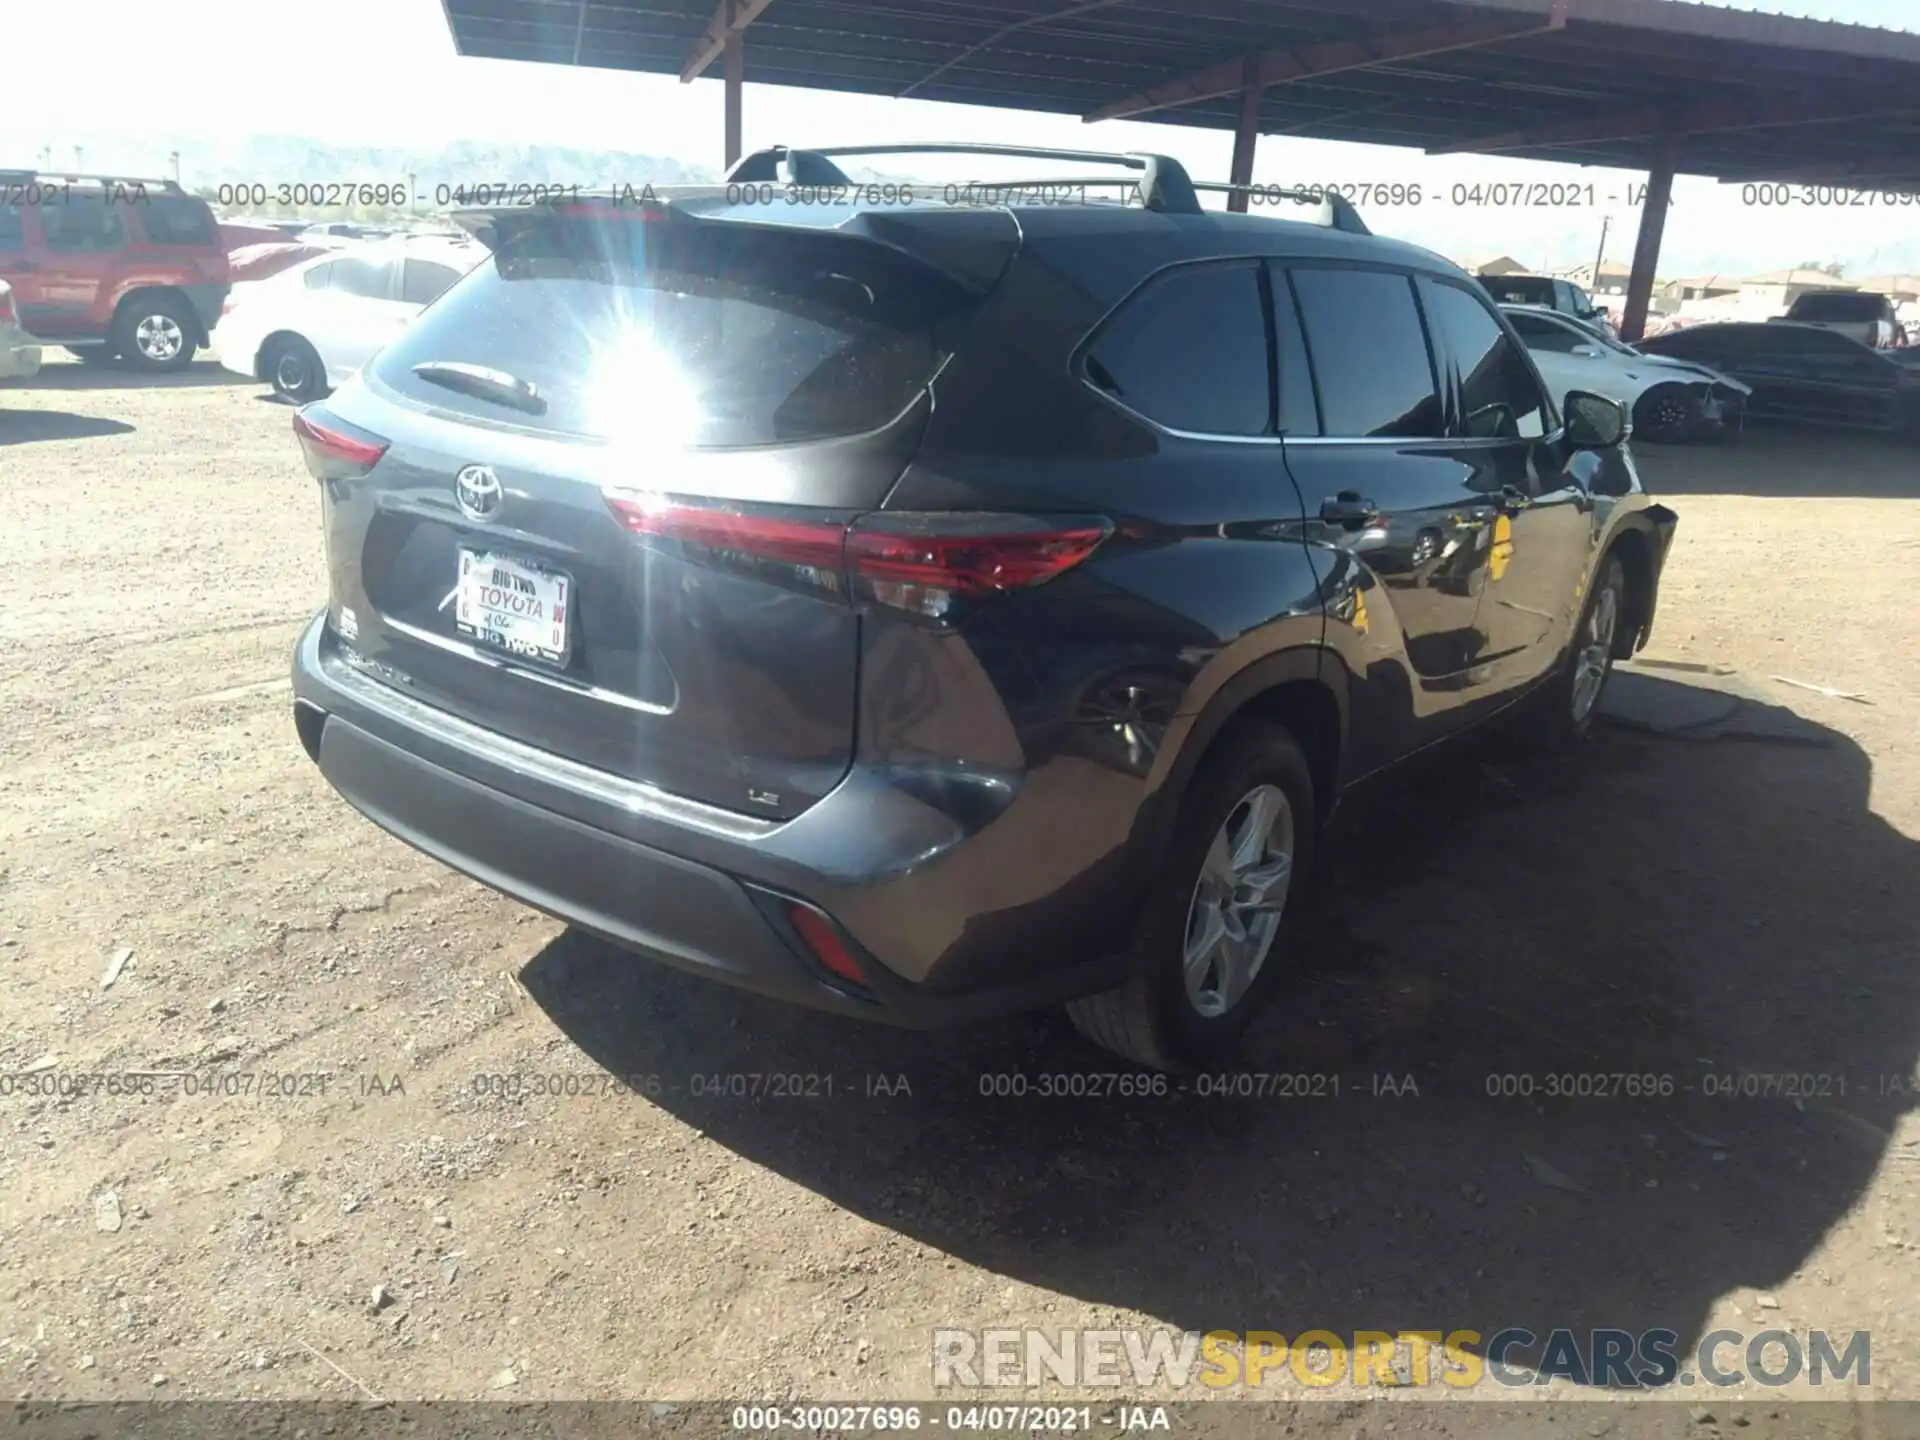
1189	351
423	282
320	277
83	226
1499	398
1582	302
354	276
1543	335
1369	353
13	228
177	220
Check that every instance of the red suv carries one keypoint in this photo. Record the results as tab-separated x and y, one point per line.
111	267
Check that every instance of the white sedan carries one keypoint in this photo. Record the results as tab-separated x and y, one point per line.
19	351
309	329
1670	400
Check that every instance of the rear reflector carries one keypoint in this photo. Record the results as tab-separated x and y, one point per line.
916	561
825	943
332	451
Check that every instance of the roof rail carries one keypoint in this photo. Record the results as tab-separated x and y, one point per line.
1345	217
58	177
1162	181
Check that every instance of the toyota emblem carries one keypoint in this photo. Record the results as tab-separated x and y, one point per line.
477	489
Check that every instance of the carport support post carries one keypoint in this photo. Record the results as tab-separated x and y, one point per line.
1245	137
1653	223
736	71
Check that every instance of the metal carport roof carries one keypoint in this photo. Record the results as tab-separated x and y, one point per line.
1662	85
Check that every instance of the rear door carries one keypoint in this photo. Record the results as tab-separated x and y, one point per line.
85	240
1386	484
1542	534
609	517
359	311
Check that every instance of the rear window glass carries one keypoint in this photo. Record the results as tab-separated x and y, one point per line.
177	220
82	224
1842	307
1190	351
680	332
1519	289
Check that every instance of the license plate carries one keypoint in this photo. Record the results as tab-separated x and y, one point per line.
514	604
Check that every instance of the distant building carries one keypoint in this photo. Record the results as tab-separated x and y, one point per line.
1898	288
1476	263
1612	279
1700	287
1777	289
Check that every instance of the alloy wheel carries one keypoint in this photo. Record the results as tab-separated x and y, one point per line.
159	337
1237	901
1596	651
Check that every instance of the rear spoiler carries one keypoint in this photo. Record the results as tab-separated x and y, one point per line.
971	247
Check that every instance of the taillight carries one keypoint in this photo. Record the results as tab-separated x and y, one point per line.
335	450
923	562
916	561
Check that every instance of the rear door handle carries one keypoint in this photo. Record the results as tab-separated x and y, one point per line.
1350	509
1511	498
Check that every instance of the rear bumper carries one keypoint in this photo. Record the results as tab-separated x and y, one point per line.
694	887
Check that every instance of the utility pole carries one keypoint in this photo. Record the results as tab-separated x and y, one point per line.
1601	258
78	159
174	156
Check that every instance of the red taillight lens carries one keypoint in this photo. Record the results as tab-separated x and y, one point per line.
333	451
824	942
764	535
920	562
964	555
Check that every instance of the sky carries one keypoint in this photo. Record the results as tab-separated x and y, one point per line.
384	72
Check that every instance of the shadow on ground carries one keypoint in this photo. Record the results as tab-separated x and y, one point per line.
24	427
1781	463
1641	906
58	376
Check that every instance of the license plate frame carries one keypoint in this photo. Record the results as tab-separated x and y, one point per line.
551	585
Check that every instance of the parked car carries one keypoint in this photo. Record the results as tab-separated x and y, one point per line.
1670	400
1858	314
929	612
252	263
311	327
1805	375
1548	294
112	267
19	355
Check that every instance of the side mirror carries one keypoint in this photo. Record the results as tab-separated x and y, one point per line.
1593	421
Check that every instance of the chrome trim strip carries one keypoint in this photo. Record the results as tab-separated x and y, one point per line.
632	796
475	653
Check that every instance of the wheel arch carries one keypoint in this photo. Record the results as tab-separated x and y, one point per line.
1304	689
1640	546
137	293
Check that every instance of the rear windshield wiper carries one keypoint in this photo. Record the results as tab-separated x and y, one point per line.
484	384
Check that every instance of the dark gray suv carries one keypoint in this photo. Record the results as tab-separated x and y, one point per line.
928	602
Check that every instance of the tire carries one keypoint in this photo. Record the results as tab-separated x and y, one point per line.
155	334
1574	695
1665	415
293	369
1158	1017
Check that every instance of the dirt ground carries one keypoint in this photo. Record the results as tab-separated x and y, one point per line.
1643	905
